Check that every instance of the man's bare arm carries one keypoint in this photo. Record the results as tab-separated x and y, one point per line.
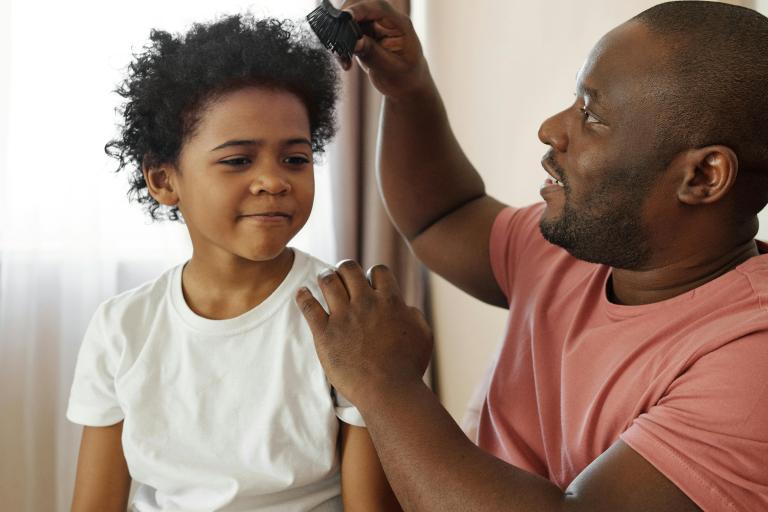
432	192
374	349
414	435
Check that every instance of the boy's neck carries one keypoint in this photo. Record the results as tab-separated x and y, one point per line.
225	289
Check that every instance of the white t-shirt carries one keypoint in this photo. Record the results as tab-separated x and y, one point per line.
232	414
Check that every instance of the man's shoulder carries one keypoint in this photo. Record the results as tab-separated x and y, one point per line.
524	217
519	226
755	272
516	240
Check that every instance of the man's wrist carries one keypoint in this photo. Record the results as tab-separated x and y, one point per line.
379	394
422	88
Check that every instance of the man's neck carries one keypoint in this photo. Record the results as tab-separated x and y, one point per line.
667	280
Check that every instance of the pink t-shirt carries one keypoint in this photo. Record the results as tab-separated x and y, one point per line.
684	381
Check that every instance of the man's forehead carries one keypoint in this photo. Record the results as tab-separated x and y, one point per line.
625	57
586	90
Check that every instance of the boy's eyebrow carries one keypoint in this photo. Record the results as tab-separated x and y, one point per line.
254	142
236	142
298	140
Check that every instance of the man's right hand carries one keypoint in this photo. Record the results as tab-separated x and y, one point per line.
390	51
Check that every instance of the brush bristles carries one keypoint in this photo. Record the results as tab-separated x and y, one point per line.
336	29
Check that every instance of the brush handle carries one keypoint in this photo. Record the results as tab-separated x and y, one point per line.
333	11
352	24
342	16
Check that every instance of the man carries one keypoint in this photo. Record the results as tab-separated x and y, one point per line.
633	374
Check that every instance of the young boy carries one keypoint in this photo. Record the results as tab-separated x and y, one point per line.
204	386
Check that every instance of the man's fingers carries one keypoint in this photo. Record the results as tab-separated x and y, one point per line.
383	280
312	310
393	44
385	28
373	10
350	3
354	280
334	291
373	55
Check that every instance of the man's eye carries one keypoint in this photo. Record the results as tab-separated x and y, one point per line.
296	160
237	162
588	116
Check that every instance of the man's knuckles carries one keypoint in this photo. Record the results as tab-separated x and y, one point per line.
349	268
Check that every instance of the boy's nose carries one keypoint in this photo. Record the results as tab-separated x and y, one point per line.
269	182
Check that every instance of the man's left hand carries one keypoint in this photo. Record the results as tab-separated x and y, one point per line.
371	340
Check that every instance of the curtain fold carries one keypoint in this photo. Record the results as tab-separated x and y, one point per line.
364	230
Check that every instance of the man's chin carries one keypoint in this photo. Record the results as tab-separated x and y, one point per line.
557	233
631	254
551	214
551	227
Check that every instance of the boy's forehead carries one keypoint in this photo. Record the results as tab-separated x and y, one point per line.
256	111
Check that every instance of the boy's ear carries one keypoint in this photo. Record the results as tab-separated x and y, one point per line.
160	183
709	173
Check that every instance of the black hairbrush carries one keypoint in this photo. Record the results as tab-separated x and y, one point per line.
335	28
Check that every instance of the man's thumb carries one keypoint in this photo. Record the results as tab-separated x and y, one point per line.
312	310
372	55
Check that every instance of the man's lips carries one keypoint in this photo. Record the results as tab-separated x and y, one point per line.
553	170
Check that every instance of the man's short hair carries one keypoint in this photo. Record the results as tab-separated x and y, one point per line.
714	88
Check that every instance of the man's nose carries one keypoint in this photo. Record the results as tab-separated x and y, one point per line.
553	132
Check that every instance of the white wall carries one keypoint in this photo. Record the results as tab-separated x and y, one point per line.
5	70
503	66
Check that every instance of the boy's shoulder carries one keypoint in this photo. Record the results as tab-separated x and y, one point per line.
135	307
308	263
136	303
307	268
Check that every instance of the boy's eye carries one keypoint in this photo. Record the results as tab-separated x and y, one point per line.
296	160
237	161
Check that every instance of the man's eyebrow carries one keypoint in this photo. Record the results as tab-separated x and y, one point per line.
591	93
254	142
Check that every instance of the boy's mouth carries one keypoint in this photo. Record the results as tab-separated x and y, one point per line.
267	218
267	214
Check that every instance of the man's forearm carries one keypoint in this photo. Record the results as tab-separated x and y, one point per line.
432	466
422	170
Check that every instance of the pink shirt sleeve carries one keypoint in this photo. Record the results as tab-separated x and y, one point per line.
707	434
511	233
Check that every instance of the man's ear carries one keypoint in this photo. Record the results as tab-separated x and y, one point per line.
709	173
160	183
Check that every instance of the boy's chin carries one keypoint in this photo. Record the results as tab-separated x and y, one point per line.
264	254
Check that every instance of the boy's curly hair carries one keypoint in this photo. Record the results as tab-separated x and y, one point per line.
175	76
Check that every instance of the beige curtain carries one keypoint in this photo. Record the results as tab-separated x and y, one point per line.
363	229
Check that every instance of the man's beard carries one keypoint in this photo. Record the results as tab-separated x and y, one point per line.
608	228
